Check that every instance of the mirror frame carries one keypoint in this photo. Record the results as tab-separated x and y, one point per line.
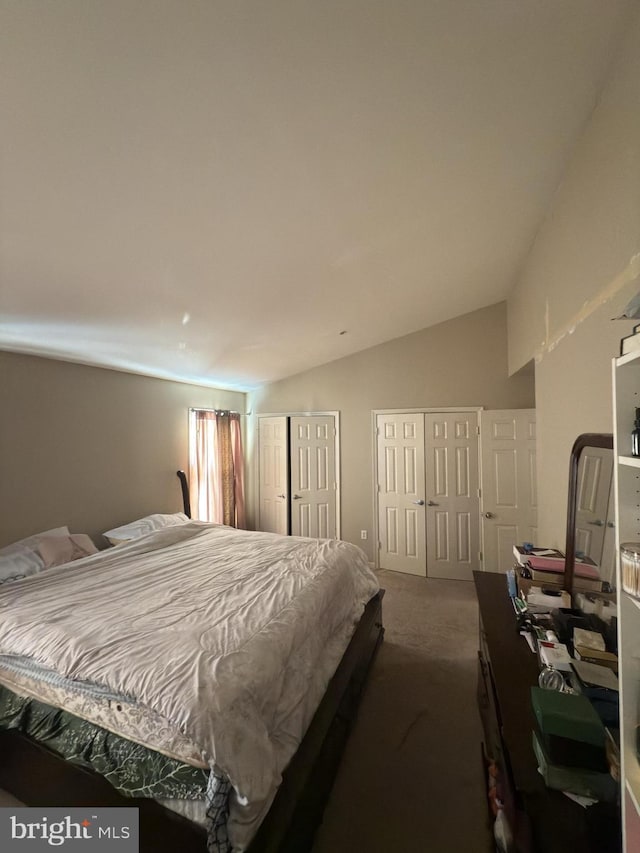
587	439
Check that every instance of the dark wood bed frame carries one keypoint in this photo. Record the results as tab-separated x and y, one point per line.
38	777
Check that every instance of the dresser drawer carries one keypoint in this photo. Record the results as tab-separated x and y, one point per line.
488	710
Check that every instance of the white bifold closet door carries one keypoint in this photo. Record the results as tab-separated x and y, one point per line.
428	505
401	491
298	484
453	520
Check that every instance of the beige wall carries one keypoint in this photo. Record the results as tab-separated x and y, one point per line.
459	363
74	442
581	272
89	447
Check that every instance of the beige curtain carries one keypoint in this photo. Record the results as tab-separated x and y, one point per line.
216	467
238	470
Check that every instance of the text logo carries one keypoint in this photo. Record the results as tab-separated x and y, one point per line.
39	829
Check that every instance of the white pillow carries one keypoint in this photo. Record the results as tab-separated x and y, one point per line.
57	550
21	563
22	558
142	526
31	542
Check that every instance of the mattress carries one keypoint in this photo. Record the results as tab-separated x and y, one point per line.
226	638
133	770
120	715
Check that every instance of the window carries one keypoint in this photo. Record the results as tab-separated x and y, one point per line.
216	467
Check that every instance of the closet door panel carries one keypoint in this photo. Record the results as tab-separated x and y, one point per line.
274	475
313	478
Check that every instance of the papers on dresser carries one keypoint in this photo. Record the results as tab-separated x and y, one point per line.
555	655
540	601
590	639
594	675
523	556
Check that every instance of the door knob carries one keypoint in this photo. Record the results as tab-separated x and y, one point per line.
420	502
281	496
597	523
489	515
297	498
431	503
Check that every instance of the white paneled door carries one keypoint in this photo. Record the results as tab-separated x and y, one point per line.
509	497
274	475
401	495
453	524
313	476
428	493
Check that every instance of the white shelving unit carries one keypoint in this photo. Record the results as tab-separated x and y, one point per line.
626	397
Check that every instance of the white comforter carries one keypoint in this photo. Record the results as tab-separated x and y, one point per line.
230	636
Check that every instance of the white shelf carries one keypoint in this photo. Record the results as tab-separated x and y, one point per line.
630	461
628	358
626	398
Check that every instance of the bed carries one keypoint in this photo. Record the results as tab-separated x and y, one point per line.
251	651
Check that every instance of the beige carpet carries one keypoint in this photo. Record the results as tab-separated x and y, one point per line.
410	779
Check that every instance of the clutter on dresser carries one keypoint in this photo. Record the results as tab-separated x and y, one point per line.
541	600
550	806
570	744
577	658
547	565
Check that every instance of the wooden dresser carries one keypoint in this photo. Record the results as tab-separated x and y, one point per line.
543	820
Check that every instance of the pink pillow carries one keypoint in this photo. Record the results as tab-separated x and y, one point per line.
57	550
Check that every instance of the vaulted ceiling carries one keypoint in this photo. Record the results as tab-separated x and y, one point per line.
232	192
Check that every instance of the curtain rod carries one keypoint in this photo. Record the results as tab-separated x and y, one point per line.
220	411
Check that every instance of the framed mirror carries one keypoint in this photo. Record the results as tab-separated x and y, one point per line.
590	538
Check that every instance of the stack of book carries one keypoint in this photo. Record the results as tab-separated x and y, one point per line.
589	646
601	658
523	555
546	565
